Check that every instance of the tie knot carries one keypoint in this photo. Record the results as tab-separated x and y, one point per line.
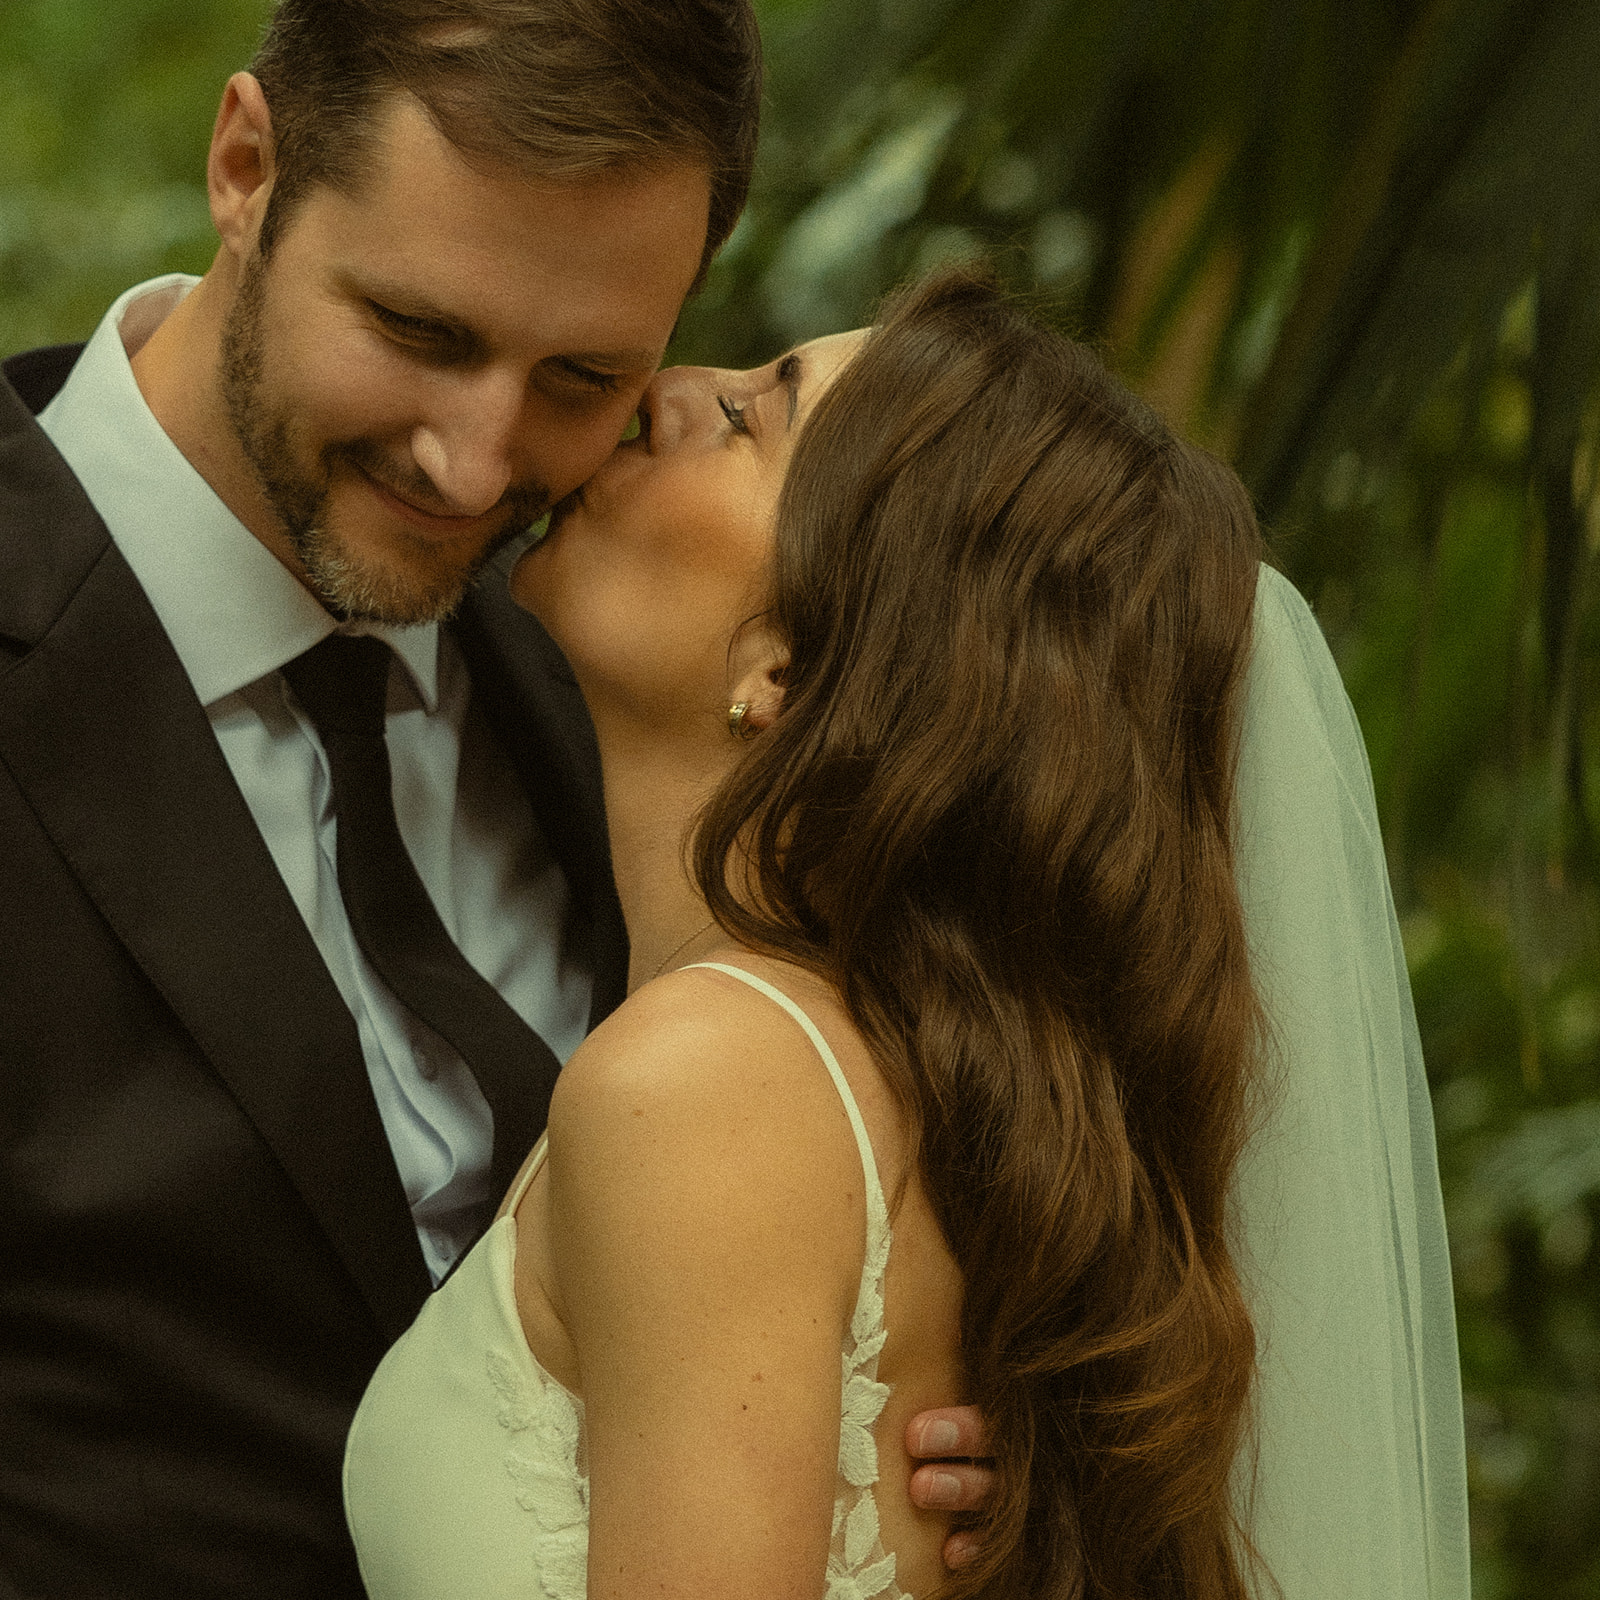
343	683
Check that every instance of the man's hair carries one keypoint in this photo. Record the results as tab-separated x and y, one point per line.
565	89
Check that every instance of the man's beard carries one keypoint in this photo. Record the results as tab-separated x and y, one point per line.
432	587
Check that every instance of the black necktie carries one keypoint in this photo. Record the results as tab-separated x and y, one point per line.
343	684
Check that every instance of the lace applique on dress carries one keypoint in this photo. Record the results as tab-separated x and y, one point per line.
543	1466
858	1566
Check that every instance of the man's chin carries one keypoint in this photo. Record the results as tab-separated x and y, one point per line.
394	594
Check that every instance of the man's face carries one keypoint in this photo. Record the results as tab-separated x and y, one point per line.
417	371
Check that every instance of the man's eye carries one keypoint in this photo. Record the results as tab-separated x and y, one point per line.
600	382
435	342
412	329
734	414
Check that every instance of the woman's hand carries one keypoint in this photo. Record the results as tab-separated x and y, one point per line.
954	1444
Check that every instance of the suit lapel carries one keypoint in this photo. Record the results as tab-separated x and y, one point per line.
532	703
100	728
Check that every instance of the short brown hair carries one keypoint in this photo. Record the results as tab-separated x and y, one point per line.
565	88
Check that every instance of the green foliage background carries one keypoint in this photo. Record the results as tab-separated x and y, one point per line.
1354	245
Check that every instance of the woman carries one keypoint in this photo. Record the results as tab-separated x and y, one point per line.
982	640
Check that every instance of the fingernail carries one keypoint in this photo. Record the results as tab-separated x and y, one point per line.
959	1550
945	1490
940	1438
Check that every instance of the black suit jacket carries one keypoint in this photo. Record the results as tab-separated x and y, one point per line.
204	1244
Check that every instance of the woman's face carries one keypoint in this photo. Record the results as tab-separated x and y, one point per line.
650	570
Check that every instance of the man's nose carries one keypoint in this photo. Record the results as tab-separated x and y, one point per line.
468	445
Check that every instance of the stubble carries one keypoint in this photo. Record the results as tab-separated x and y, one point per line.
424	584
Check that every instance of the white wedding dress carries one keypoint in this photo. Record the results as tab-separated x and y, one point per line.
464	1471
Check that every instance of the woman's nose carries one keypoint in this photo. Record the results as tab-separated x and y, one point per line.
679	404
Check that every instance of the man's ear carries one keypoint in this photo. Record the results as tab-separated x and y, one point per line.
240	168
759	660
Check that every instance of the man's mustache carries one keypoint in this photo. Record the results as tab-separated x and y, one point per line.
521	505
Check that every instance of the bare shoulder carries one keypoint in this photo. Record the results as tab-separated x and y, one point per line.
700	1104
701	1041
703	1176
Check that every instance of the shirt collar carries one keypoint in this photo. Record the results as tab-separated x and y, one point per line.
232	610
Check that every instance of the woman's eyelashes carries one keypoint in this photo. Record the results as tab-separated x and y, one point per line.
734	414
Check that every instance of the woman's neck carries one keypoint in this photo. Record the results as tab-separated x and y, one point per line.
653	788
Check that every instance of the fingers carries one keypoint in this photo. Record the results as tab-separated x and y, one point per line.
949	1431
951	1486
959	1549
954	1442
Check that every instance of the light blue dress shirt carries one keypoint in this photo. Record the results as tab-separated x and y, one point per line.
235	615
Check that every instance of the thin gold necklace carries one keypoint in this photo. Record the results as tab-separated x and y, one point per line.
673	954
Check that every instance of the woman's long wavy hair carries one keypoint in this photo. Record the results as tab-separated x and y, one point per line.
996	811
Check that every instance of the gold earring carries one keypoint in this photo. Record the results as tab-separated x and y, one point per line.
736	723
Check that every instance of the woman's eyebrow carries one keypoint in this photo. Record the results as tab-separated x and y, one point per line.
789	377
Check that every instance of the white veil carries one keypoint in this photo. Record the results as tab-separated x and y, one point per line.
1360	1484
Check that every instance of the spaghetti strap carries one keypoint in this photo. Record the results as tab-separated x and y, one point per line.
829	1060
858	1565
529	1172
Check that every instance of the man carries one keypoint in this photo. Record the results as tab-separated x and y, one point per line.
247	1108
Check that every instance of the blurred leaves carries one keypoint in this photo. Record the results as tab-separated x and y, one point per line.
1352	244
105	112
1541	1170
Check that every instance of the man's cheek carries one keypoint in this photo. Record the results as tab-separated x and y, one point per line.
566	456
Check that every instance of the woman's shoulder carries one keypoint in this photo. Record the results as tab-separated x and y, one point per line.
700	1034
700	1157
700	1061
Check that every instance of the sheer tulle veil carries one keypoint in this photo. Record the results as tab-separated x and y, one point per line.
1359	1479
